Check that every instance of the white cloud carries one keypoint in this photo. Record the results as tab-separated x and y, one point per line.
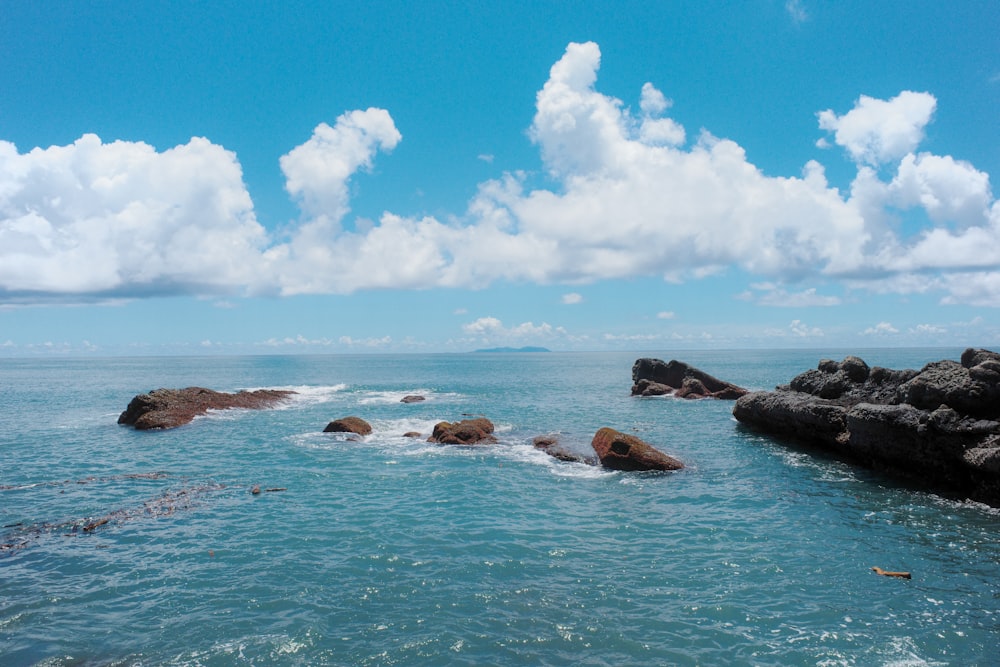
776	296
632	337
878	131
796	10
485	157
665	315
318	171
881	329
121	218
631	198
483	326
802	330
365	342
928	329
572	298
491	329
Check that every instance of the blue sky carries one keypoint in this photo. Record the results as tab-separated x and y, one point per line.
237	177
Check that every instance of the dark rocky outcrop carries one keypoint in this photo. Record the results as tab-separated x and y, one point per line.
653	377
939	426
355	425
412	399
169	408
621	451
478	431
550	445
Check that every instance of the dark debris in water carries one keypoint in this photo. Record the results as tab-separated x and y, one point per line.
166	504
85	480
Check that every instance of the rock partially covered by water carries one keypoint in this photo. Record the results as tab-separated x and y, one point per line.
169	408
550	445
939	426
413	398
355	425
478	431
654	377
621	451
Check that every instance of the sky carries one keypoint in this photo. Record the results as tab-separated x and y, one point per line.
327	177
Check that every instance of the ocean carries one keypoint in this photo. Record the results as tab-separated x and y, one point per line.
392	551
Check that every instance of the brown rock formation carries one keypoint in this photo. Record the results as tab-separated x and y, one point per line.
621	451
169	408
355	425
653	377
477	431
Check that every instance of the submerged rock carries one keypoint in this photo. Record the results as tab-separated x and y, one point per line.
939	426
355	425
170	408
550	445
477	431
654	377
621	451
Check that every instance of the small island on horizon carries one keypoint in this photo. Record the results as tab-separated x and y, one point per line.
528	348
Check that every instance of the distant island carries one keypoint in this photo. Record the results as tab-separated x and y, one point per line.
515	349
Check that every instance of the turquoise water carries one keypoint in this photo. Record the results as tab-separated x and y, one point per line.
392	551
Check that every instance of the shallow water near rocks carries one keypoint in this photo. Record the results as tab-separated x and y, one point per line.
391	551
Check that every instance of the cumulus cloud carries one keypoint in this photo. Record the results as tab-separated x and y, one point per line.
881	329
802	330
572	298
928	329
491	329
878	131
633	196
318	171
95	218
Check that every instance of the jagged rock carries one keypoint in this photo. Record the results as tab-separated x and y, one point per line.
940	425
653	377
550	445
621	451
412	399
355	425
478	431
170	408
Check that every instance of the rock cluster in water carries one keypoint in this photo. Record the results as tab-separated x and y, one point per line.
939	425
170	408
654	377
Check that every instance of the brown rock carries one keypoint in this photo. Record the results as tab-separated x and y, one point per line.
412	434
620	451
477	431
169	408
653	377
355	425
550	445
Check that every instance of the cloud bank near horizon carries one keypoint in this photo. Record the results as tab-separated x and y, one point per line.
633	195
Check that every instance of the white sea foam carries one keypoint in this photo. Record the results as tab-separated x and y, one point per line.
306	395
396	396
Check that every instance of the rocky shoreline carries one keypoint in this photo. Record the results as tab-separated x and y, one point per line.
938	427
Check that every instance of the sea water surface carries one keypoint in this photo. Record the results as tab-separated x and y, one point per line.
393	551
